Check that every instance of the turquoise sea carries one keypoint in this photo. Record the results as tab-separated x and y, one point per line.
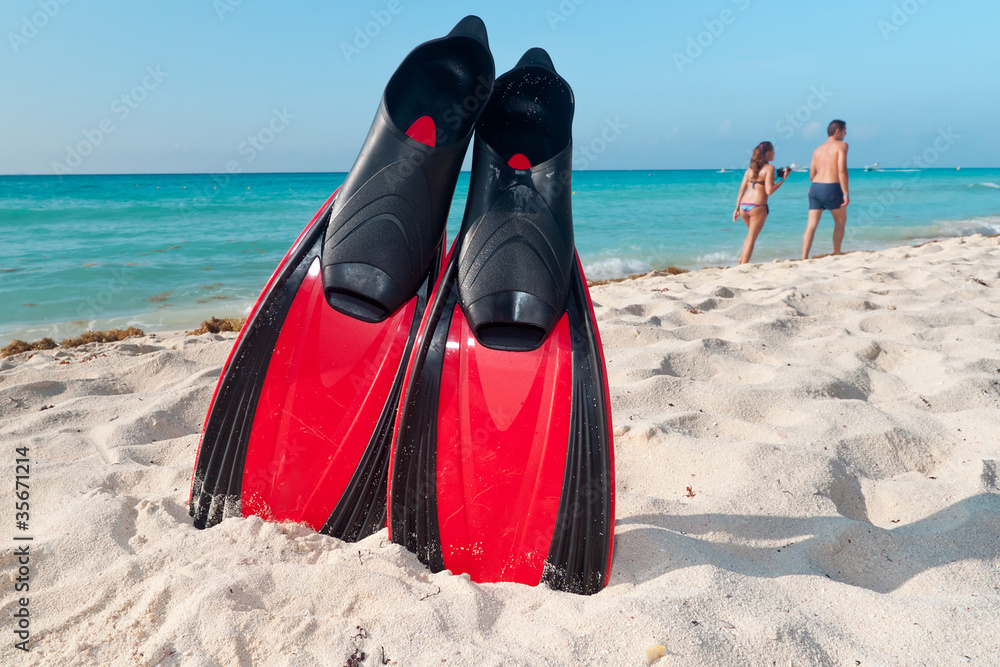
166	251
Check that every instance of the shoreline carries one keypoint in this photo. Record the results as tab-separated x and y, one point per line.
187	319
676	270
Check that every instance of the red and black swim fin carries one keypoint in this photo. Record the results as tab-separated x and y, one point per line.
301	423
503	462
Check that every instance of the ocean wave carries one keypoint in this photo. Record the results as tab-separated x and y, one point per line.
987	226
984	185
615	267
715	258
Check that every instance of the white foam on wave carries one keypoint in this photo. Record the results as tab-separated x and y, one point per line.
987	226
615	267
984	185
715	258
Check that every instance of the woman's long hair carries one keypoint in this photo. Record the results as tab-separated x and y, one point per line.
759	158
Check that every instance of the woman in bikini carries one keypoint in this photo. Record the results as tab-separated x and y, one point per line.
751	204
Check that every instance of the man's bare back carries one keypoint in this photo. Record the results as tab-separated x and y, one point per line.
828	161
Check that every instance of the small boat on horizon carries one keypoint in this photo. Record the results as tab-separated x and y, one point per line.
873	167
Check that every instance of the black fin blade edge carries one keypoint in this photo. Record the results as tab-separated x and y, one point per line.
361	510
578	557
413	509
218	476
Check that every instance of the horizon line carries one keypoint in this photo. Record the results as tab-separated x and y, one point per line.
464	171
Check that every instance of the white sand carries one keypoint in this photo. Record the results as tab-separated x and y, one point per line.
837	422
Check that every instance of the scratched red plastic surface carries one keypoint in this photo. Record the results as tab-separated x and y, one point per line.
503	429
327	383
256	306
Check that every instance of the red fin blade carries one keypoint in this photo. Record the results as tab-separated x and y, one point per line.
423	130
519	161
503	428
317	411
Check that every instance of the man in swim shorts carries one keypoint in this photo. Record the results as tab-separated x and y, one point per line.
829	191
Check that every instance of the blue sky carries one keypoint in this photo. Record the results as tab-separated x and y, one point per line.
673	84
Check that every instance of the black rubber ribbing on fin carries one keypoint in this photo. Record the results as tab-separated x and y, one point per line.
374	248
578	558
391	213
218	475
514	267
517	246
413	513
362	509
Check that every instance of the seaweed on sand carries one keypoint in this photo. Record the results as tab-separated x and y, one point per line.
215	325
